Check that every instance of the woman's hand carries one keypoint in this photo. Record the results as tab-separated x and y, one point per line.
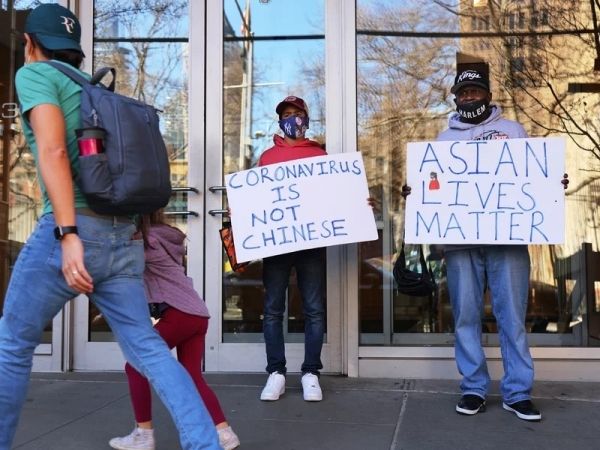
73	267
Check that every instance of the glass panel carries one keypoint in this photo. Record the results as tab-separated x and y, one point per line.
118	19
20	197
406	57
257	74
146	42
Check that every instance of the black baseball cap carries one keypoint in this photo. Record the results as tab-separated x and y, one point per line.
55	27
477	75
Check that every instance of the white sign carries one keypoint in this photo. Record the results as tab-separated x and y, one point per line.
486	192
301	204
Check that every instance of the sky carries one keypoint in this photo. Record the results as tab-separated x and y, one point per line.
277	63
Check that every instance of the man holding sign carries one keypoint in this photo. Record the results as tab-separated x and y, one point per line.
309	264
471	269
298	201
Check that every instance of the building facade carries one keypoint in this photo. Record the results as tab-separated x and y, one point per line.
376	75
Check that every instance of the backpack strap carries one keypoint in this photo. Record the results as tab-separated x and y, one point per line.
100	73
77	78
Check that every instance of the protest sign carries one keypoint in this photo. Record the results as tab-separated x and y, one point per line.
300	204
486	192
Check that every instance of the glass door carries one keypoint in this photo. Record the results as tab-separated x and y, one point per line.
258	52
20	197
148	45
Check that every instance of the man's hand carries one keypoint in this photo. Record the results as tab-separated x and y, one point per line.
405	192
565	180
73	268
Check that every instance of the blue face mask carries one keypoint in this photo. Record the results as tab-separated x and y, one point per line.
294	127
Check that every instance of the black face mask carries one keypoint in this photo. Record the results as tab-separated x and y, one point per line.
474	112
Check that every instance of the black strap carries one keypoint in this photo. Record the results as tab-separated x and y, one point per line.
402	257
76	77
100	73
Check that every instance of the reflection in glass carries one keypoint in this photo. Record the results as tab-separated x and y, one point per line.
20	196
146	42
258	74
140	19
403	96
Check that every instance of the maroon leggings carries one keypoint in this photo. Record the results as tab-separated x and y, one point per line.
187	333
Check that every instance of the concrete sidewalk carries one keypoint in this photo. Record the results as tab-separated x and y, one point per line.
82	411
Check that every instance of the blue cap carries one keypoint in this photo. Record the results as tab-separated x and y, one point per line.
55	27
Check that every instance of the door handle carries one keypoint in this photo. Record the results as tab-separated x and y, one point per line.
184	189
214	212
181	213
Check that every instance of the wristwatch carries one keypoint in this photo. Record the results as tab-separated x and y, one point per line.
59	232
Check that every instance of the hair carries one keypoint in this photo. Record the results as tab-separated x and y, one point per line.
147	220
71	57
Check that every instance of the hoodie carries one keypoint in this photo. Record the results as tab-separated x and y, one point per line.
283	152
494	127
164	276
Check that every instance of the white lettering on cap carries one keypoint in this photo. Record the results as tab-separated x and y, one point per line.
469	75
69	23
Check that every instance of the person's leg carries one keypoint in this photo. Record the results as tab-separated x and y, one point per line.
141	397
276	278
187	332
310	269
121	299
508	272
36	293
466	277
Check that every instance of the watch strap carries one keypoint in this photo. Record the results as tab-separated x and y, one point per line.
60	232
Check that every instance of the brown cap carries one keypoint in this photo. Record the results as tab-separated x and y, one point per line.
292	100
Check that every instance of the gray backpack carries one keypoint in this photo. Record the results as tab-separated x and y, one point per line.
132	175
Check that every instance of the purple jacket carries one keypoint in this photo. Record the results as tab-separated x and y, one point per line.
164	277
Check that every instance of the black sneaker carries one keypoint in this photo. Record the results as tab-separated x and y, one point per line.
470	404
524	410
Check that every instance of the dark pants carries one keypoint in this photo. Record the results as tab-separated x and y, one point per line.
310	271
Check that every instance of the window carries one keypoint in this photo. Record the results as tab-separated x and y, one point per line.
402	96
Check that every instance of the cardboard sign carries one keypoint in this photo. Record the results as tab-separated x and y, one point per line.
486	192
301	204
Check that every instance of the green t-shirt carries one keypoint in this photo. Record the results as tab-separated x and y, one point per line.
39	84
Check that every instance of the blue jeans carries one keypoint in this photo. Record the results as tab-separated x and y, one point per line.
37	292
310	271
506	269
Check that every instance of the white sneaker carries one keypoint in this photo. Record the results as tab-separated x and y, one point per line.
274	388
138	439
312	389
228	440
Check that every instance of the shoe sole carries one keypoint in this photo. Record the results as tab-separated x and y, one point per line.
313	398
535	418
470	412
122	447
